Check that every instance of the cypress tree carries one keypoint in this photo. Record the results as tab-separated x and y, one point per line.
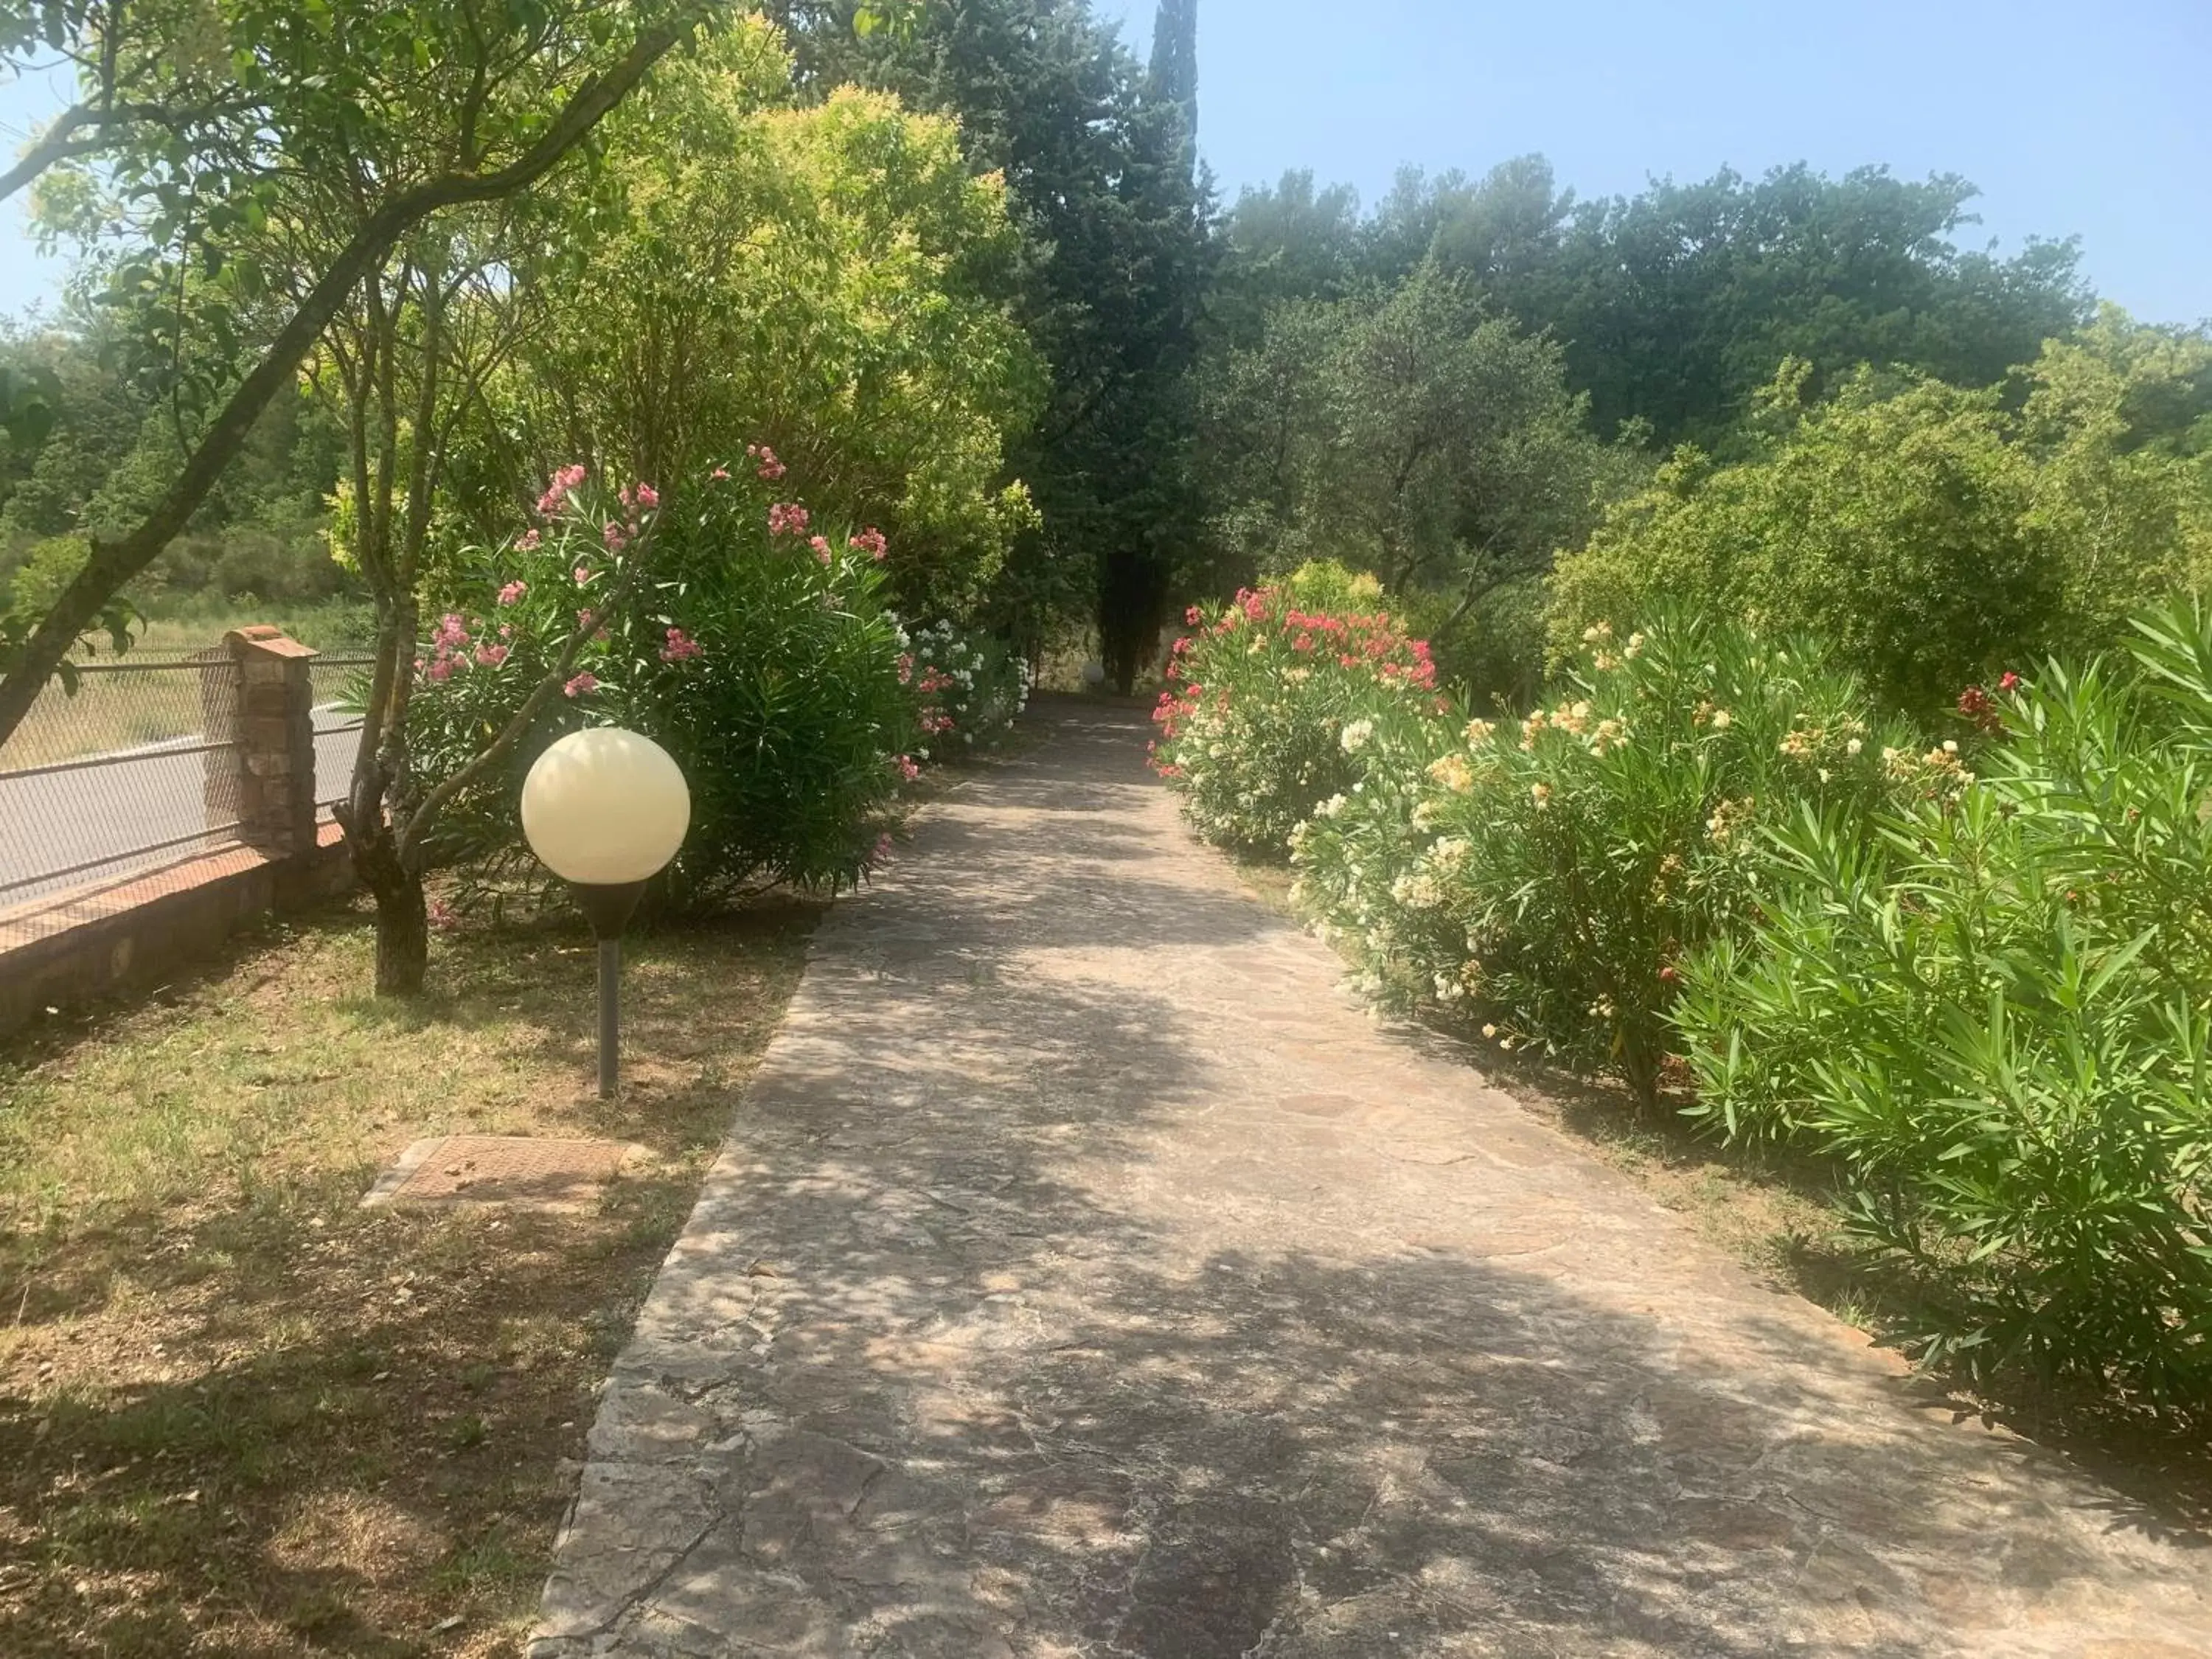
1175	69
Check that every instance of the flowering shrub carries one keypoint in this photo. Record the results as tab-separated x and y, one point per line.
1272	700
1993	1014
969	688
753	644
1547	875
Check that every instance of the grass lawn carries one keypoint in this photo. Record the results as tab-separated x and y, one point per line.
241	1415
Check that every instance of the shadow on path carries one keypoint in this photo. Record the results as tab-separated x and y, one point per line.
1084	1275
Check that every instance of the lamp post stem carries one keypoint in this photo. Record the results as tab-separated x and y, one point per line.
610	1016
609	909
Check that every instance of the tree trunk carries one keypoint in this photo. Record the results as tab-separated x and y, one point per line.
403	916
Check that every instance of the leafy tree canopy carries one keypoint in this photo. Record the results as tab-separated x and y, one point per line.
1934	536
1673	306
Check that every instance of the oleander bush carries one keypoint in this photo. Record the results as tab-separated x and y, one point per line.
1270	699
1973	974
1990	1010
1548	875
754	645
970	688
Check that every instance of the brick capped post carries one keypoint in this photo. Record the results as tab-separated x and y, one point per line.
276	736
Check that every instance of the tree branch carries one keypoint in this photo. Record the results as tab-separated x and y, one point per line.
114	563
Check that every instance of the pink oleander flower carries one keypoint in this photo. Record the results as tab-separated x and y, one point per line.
821	546
582	685
681	648
441	669
787	519
511	592
557	491
442	917
506	630
720	475
906	668
769	468
907	769
1193	616
491	655
451	633
529	541
870	541
583	574
648	498
614	536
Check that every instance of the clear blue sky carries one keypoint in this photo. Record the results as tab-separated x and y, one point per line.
2091	116
2083	118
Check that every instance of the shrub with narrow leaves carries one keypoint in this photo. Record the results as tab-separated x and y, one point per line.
751	642
1272	699
1545	876
1991	1010
970	689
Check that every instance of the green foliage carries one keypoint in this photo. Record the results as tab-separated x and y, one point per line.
1273	700
969	686
2117	422
1674	307
1114	268
247	118
1992	1014
771	675
1917	527
1551	876
1406	431
817	279
235	171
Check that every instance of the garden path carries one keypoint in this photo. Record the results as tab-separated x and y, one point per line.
1087	1275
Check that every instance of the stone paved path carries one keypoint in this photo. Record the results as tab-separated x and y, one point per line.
1087	1275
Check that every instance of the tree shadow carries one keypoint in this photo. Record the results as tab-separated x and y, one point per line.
2164	1465
377	1455
1094	1290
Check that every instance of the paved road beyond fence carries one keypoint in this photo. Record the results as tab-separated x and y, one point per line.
151	762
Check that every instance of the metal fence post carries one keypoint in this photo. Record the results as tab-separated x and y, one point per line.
276	734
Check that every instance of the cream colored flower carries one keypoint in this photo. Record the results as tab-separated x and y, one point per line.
1453	772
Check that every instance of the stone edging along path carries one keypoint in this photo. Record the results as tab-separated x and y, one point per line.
1087	1275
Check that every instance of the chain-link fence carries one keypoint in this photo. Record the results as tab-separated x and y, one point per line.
138	772
341	686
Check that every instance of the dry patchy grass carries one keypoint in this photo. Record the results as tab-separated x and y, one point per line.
241	1415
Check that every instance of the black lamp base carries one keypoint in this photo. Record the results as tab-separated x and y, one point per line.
608	908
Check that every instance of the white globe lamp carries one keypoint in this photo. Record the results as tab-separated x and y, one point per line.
605	810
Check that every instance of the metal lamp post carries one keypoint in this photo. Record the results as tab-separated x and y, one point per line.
605	810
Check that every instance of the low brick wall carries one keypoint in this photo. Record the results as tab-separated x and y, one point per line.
135	935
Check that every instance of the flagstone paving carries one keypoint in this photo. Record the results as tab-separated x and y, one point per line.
1087	1275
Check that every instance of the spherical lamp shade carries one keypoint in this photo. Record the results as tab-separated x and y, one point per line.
605	807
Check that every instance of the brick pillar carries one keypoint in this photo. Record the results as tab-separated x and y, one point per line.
275	735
